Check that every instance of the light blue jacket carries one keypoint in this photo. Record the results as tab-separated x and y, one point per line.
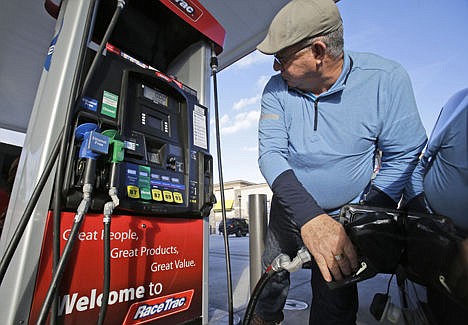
442	172
330	141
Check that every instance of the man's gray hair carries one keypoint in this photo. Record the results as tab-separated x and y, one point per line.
333	40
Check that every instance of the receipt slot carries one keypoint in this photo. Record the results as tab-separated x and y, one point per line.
149	99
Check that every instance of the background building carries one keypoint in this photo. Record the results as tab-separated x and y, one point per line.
236	194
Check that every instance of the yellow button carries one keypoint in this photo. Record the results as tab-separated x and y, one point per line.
178	197
133	192
157	194
168	196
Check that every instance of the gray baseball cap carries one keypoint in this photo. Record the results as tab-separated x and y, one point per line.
298	20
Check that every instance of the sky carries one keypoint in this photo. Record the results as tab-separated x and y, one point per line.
428	37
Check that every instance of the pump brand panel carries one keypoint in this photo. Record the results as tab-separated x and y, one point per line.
156	266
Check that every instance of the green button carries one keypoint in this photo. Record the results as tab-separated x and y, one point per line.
145	193
109	104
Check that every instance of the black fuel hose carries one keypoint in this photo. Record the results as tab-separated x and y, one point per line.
62	156
59	174
282	262
59	272
266	276
89	179
58	150
108	210
106	282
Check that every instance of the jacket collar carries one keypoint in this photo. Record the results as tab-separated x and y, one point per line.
339	84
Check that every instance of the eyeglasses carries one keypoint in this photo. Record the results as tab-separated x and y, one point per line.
282	60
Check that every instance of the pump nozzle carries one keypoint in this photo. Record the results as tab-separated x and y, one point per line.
115	157
116	146
283	262
90	148
92	145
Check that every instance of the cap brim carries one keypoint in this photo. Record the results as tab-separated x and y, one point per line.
266	47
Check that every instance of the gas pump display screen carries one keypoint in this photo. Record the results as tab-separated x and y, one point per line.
154	95
153	122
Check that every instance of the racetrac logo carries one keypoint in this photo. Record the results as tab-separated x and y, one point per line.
149	310
188	8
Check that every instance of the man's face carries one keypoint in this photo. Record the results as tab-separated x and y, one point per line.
296	65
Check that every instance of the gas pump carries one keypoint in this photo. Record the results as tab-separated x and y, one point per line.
135	152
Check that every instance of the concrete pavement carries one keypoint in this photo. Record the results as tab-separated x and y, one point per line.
299	292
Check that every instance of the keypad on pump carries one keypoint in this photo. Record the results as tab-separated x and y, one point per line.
147	184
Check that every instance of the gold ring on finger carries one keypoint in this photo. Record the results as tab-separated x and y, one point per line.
339	257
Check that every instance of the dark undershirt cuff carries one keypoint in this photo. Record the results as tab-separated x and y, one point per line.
377	197
294	198
417	204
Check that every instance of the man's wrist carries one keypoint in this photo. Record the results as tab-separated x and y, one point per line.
417	204
377	197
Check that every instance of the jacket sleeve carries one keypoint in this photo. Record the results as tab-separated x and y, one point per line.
296	201
273	163
272	133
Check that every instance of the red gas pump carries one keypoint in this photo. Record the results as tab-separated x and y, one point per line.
134	172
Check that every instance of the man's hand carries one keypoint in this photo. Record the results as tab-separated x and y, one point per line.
333	251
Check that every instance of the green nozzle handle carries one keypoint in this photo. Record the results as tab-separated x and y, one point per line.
116	145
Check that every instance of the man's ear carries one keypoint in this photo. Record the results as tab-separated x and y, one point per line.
318	49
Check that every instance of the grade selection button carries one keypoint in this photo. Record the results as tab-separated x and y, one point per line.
157	194
168	196
145	193
178	198
133	192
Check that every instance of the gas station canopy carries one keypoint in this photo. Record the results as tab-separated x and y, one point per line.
26	30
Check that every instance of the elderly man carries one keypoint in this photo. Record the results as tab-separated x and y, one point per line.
324	117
